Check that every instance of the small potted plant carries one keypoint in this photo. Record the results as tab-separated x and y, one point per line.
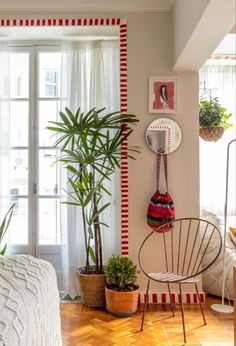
213	119
121	291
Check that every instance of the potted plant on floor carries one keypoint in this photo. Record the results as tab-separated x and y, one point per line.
121	292
213	119
90	150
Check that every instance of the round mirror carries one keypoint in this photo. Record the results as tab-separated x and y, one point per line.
163	136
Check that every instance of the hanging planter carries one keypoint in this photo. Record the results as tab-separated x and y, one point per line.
213	120
211	133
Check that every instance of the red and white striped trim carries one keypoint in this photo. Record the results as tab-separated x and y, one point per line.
124	146
223	57
122	23
163	298
62	22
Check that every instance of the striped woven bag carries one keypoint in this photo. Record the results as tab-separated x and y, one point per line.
161	208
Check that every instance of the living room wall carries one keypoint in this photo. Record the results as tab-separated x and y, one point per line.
150	53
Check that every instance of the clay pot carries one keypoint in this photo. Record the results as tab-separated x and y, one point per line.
121	304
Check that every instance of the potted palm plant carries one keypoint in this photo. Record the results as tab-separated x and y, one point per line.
90	150
121	292
213	119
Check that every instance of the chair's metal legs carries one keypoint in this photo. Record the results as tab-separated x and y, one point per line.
200	303
145	304
171	303
182	311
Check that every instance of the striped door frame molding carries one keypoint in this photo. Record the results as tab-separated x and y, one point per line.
122	24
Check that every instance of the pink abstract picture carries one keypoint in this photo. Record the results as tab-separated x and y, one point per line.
162	95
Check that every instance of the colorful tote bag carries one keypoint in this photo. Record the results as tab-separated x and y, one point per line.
161	208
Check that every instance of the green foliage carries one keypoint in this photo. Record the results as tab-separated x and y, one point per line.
3	228
120	273
90	150
212	114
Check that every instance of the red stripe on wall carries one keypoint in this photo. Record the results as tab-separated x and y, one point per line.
202	297
154	298
163	298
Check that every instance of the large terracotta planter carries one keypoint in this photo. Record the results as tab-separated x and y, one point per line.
121	304
92	287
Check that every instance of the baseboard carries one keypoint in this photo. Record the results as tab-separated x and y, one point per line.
163	298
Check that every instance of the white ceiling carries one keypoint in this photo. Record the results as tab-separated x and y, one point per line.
86	5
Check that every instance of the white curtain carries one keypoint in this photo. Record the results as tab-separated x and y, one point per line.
4	129
222	79
90	79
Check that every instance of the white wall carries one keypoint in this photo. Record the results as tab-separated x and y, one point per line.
150	53
198	28
186	15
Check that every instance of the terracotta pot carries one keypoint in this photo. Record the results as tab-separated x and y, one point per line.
211	133
121	304
92	287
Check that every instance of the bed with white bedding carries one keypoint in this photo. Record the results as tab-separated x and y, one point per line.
29	302
212	278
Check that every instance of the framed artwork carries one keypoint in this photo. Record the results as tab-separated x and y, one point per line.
162	95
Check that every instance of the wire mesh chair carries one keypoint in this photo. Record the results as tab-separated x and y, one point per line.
179	256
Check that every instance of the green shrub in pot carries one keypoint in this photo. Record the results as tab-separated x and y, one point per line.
121	291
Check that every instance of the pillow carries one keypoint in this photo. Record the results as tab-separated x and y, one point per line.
232	233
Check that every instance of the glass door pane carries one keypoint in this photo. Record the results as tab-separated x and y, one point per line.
48	169
19	147
49	210
19	75
18	228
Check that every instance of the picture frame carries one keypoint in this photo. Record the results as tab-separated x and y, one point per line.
163	94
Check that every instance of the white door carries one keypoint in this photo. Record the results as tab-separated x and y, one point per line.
35	100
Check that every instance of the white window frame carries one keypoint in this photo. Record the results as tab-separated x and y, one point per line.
33	247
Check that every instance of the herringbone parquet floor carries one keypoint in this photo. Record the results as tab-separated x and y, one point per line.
93	327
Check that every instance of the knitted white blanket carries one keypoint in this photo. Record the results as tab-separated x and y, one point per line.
29	302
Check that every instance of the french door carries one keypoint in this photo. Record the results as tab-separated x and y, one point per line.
35	80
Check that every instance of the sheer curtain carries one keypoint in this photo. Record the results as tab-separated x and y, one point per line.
4	129
222	79
90	78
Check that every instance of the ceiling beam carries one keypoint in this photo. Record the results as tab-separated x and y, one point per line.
215	21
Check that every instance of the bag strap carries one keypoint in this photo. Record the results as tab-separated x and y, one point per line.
159	168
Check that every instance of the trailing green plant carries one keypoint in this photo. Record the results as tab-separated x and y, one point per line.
212	114
90	150
120	273
3	228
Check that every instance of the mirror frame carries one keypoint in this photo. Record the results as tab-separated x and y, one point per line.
122	25
164	127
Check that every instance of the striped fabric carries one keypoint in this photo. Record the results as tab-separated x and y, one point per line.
161	210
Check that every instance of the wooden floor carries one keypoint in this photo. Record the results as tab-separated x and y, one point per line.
93	327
